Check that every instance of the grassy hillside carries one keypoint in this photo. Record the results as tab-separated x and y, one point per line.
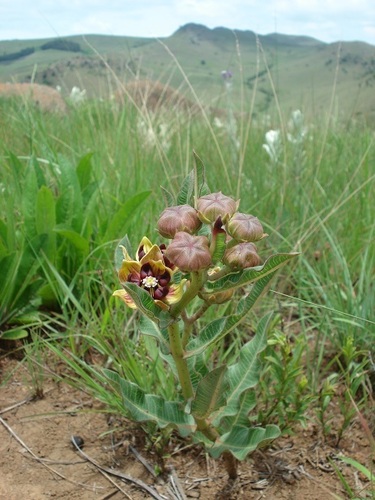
290	71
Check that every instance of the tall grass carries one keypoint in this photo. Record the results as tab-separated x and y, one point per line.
73	184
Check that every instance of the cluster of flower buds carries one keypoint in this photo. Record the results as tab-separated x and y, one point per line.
191	250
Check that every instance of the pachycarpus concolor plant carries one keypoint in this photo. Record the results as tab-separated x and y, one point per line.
210	253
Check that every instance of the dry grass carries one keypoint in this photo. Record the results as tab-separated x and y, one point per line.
47	98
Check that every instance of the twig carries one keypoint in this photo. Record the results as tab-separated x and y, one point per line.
40	460
143	461
16	405
176	484
122	476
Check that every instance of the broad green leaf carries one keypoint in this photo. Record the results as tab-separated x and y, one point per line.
242	278
241	441
244	374
80	243
14	334
145	407
84	169
45	216
217	329
146	304
148	327
210	393
123	215
69	206
246	404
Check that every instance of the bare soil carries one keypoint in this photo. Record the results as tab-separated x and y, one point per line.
38	460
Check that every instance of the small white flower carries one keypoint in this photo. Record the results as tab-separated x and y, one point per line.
273	145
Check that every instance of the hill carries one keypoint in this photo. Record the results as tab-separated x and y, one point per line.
301	71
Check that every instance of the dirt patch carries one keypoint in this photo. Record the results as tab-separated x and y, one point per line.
38	460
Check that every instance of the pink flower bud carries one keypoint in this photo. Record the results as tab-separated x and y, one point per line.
188	252
178	218
214	205
241	256
245	227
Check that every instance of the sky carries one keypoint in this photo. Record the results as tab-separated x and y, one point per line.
328	20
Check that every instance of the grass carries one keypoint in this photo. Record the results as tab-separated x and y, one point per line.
72	185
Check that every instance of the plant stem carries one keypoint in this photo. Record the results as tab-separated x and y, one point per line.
181	363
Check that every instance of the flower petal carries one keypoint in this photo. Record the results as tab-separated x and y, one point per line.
144	247
125	297
128	267
153	253
175	292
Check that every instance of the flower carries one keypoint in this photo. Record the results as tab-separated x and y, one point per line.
178	218
273	145
241	256
214	205
245	227
152	272
188	252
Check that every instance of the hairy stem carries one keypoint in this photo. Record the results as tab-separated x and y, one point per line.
181	363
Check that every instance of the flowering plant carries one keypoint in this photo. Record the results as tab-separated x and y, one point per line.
211	254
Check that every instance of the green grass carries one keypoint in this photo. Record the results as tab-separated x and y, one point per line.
72	185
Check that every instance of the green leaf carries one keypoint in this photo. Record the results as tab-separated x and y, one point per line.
69	206
168	197
45	216
79	242
147	306
29	198
361	468
200	188
241	441
184	197
242	278
143	407
217	329
219	247
123	215
14	334
244	374
210	394
148	327
84	169
119	256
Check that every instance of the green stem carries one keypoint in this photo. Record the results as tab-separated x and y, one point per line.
219	274
181	363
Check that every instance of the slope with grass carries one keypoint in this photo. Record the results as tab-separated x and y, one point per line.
297	70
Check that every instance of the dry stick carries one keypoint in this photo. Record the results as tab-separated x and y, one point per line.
125	477
40	460
16	405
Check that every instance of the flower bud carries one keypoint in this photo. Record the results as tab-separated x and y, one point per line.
178	218
188	252
241	256
245	227
214	205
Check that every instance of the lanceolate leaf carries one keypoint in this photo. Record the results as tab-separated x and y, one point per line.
143	407
123	215
241	441
244	374
186	191
148	327
200	188
220	327
210	395
242	278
